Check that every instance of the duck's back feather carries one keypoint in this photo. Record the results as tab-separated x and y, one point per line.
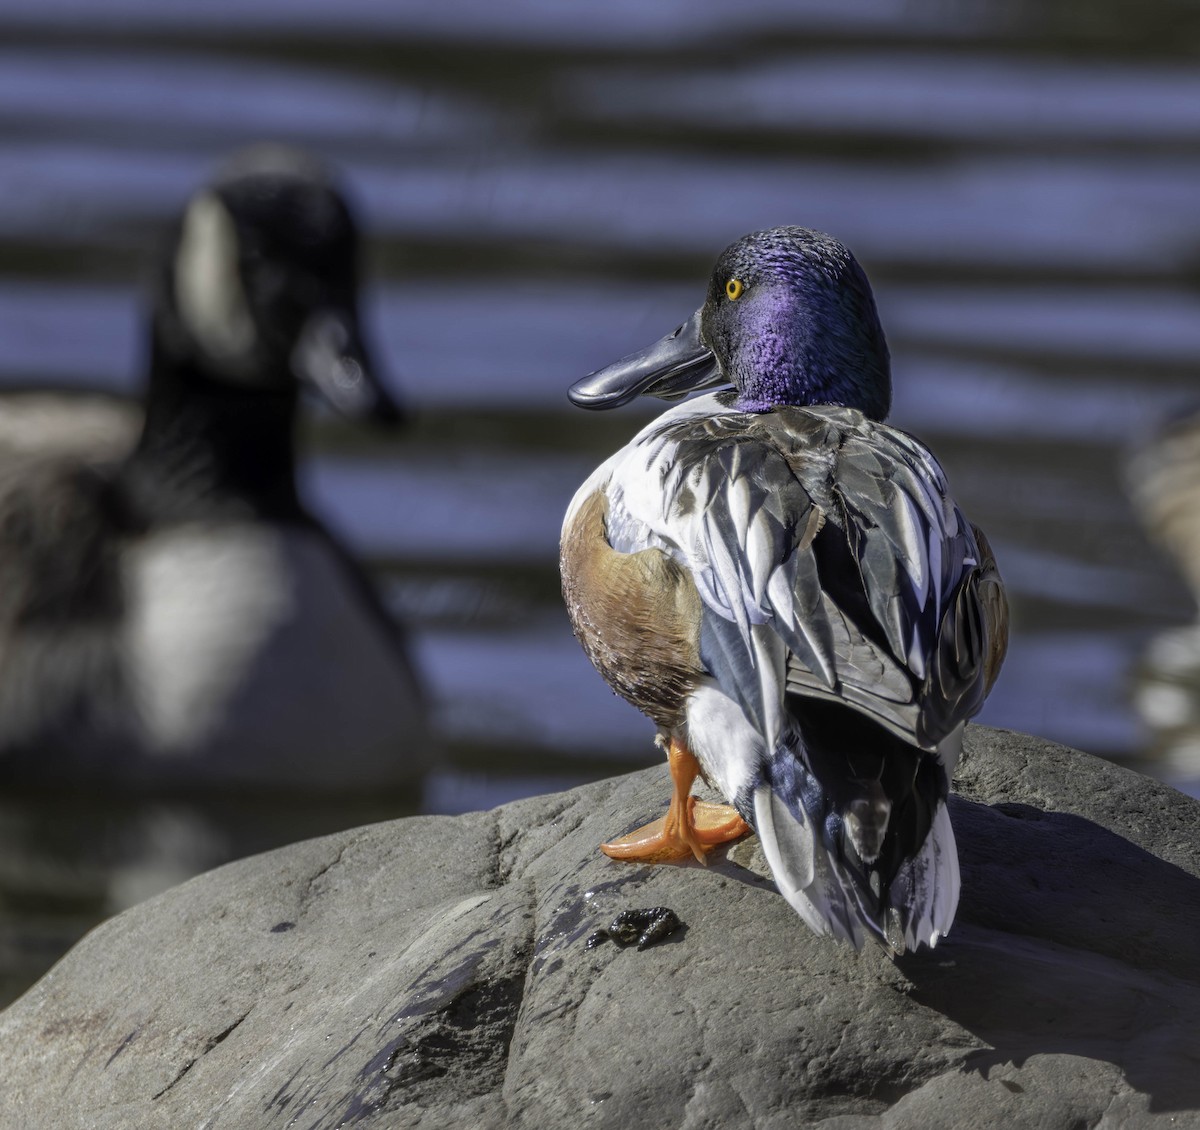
828	555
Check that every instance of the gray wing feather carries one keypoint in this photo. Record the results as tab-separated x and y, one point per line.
748	569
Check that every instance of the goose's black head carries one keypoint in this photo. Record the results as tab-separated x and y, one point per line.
259	291
789	319
257	298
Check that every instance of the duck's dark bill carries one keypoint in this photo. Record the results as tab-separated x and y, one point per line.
678	364
330	357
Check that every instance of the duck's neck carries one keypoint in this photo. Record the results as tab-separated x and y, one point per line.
209	449
779	389
780	372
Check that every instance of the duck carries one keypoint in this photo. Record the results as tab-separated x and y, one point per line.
176	615
783	584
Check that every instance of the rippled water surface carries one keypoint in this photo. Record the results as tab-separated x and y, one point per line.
544	188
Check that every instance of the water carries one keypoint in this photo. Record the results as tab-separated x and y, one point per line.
544	188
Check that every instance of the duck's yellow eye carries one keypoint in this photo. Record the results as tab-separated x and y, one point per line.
734	288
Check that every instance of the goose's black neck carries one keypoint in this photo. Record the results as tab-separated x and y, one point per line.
210	448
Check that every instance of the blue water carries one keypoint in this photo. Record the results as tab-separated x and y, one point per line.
544	187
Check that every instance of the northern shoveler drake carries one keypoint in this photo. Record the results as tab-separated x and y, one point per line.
783	584
180	615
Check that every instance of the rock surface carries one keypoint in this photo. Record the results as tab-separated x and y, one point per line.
433	972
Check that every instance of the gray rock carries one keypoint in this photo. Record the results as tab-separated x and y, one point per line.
433	971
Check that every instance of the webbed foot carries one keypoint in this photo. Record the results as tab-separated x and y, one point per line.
690	827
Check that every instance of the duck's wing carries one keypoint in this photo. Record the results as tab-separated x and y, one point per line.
929	584
829	558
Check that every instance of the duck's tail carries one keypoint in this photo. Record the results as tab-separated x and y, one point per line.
857	834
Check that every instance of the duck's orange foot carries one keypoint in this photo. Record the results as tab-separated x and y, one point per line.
700	828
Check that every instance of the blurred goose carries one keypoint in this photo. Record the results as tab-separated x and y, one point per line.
782	583
182	616
1162	478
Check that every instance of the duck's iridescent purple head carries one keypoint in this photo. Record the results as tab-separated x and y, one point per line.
789	319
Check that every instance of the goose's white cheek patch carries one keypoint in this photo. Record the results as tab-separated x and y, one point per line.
208	289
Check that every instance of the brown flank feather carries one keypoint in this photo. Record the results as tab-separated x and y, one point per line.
637	616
